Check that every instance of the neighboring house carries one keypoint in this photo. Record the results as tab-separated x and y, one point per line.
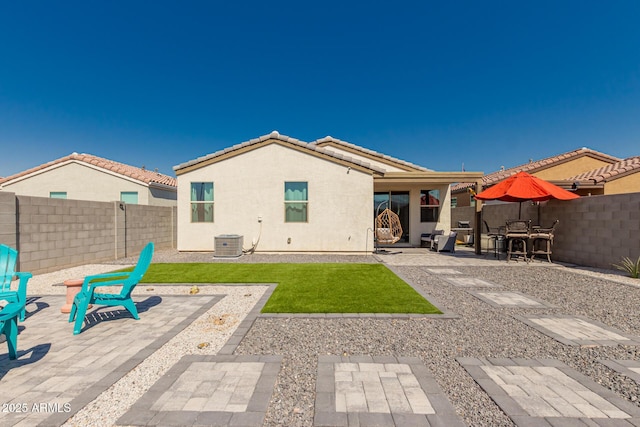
559	170
88	177
288	195
617	178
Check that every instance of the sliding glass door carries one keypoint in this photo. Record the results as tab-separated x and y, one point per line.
398	202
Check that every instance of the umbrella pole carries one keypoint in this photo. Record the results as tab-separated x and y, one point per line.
520	211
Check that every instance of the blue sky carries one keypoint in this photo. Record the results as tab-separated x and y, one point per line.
441	84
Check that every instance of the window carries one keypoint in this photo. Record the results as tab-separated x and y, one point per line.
454	202
58	194
295	202
429	205
202	202
130	197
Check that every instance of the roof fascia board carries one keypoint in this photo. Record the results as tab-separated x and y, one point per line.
162	186
260	144
434	177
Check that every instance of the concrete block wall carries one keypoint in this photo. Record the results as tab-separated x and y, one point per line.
51	234
595	231
150	223
54	233
8	219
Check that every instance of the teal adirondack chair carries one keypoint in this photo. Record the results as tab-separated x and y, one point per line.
8	258
128	281
9	326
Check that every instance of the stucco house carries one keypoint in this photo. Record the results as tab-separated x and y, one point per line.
616	178
88	177
566	170
282	194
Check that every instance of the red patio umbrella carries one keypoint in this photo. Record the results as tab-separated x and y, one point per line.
523	187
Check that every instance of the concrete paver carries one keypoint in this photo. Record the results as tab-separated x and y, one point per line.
506	299
548	392
470	282
224	389
577	330
355	390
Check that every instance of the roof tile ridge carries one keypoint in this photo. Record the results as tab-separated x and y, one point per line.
374	153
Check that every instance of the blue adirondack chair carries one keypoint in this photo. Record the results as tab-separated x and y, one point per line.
8	258
9	326
128	281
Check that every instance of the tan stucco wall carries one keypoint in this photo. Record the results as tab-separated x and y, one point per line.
252	184
81	183
162	197
570	168
626	184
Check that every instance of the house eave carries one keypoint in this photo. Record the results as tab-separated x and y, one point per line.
428	177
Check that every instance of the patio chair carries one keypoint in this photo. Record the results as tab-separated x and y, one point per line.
446	243
8	258
517	233
542	240
388	227
432	238
128	281
9	325
495	238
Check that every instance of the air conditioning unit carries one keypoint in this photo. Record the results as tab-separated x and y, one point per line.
228	245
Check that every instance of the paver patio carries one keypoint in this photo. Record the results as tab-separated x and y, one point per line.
63	372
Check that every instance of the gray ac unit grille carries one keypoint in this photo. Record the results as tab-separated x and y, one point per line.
228	245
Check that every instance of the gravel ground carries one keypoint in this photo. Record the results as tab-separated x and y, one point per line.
480	331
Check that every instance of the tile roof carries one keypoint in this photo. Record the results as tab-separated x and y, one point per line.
287	139
329	139
140	174
610	172
534	166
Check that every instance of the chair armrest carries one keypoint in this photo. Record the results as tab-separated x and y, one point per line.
22	286
11	310
90	282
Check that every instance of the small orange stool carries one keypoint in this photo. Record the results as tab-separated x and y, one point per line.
74	286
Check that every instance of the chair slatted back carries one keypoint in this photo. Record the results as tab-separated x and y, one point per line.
515	227
140	269
8	259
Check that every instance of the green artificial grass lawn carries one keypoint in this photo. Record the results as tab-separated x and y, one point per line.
307	288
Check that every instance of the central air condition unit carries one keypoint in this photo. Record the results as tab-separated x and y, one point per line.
228	245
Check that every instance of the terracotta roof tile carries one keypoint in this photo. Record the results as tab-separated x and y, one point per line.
139	174
610	172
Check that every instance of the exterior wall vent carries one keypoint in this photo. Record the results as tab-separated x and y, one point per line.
228	245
